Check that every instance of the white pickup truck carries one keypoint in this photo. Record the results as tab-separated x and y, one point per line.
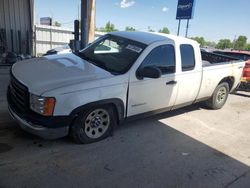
121	75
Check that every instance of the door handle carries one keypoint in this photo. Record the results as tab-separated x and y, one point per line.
171	82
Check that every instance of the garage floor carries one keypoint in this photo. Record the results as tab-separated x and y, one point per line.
190	147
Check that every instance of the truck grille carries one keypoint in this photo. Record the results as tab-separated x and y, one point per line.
19	95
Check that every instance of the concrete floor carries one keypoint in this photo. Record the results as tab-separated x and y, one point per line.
190	147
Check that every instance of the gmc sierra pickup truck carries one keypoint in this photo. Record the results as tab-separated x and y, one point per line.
121	75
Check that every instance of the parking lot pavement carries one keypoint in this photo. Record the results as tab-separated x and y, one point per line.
190	147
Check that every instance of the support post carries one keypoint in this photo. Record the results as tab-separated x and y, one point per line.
35	45
50	37
84	23
187	28
19	41
76	29
28	39
179	25
12	40
91	36
87	22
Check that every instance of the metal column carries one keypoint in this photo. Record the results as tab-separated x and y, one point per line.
179	25
187	28
84	23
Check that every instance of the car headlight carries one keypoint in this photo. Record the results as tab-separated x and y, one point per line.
42	105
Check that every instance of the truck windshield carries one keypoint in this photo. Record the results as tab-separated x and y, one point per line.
112	53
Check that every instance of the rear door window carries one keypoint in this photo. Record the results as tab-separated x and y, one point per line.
187	57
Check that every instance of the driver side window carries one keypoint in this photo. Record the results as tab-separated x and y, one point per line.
163	57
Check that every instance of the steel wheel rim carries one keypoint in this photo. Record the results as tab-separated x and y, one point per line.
97	123
221	95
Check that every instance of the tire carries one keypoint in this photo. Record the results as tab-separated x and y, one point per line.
219	96
93	125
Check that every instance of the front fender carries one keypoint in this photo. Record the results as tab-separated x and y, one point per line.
70	103
117	103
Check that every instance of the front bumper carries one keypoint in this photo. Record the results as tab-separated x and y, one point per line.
39	130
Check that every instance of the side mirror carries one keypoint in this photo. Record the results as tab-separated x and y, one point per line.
148	72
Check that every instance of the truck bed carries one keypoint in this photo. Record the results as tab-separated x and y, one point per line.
210	59
216	67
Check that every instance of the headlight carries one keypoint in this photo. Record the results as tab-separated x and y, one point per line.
42	105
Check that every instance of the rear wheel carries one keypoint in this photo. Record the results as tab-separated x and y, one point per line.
219	96
93	125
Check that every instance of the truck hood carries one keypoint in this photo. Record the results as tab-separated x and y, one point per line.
46	73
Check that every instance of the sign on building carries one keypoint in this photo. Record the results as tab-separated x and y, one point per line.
185	9
46	21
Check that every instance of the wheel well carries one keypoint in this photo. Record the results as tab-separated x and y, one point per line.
118	108
229	80
116	104
115	108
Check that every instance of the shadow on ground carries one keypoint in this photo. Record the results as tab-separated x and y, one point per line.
142	153
243	94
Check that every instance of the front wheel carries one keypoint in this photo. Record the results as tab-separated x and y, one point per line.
219	96
93	125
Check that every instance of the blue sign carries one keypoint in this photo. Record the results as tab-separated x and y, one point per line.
185	9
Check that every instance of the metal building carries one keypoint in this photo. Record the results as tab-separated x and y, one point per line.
16	26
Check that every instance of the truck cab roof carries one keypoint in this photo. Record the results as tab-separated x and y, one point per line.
151	37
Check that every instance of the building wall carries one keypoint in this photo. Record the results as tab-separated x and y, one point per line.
16	23
49	37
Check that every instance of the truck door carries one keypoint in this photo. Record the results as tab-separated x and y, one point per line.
189	75
148	94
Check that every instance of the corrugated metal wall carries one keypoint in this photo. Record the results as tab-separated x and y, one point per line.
49	37
16	23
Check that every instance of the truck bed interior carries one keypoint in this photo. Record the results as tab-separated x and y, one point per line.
209	58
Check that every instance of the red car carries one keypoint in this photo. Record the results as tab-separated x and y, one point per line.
245	80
